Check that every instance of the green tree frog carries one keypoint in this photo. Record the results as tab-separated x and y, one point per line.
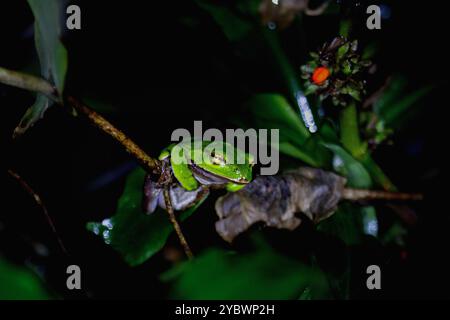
196	166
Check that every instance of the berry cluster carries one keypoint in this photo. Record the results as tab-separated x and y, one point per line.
336	71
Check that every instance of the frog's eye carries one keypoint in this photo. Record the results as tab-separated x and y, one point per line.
217	159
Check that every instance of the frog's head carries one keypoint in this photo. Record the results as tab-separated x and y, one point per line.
223	162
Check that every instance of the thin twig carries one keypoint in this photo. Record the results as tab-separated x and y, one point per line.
148	163
362	194
40	203
176	226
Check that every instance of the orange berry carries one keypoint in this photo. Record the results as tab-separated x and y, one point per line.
320	74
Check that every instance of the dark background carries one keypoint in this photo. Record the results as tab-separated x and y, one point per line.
154	75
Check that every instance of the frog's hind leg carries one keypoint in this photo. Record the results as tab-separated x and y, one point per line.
183	199
152	195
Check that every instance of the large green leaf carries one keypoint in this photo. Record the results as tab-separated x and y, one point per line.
47	28
52	56
346	165
276	112
291	150
273	111
18	283
263	274
135	235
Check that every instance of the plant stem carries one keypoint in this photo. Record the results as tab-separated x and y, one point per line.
148	163
363	194
173	219
349	130
352	142
40	203
350	134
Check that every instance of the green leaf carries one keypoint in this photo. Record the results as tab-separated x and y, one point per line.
263	274
295	152
135	235
342	51
350	222
52	56
346	165
346	67
311	89
33	114
273	111
276	112
354	93
18	283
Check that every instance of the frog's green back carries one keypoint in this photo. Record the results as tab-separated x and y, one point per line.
217	157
